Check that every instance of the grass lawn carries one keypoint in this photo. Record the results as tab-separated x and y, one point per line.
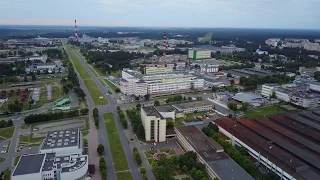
192	115
16	160
30	139
118	155
124	176
95	92
150	161
112	86
6	132
102	82
82	71
167	150
179	121
271	110
25	126
115	74
94	72
148	155
84	133
152	152
171	152
2	160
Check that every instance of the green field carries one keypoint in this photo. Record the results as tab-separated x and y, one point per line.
6	133
2	160
82	71
95	92
271	110
112	86
118	155
124	175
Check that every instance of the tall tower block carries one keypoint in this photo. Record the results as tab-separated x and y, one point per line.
75	30
164	47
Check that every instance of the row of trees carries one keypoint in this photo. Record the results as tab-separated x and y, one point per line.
95	115
36	118
4	123
240	157
122	118
72	81
136	123
143	172
234	107
136	156
251	82
187	163
237	66
103	168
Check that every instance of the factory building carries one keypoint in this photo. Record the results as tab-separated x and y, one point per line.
288	148
134	83
154	124
218	164
198	54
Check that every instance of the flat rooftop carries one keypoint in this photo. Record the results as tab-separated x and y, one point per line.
165	108
247	97
191	105
29	164
213	154
61	139
151	111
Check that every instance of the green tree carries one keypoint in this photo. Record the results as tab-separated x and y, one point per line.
100	149
147	97
156	103
138	106
229	75
189	98
184	98
33	77
30	103
244	106
143	171
232	106
214	89
25	79
117	90
170	124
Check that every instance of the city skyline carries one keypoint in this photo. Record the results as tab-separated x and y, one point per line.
287	14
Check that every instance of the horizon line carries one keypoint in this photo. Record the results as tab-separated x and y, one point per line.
159	27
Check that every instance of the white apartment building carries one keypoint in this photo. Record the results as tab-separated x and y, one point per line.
304	70
210	68
312	46
268	89
139	85
272	41
51	166
158	70
154	124
198	54
191	107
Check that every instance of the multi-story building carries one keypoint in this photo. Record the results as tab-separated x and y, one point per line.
198	54
268	89
158	70
191	107
272	41
59	157
134	83
312	46
218	164
304	70
154	124
209	68
49	166
305	95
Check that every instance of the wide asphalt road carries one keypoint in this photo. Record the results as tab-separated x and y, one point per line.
103	139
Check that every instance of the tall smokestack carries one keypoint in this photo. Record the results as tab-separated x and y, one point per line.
75	30
164	47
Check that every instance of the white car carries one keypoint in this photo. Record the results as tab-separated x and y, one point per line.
3	152
4	146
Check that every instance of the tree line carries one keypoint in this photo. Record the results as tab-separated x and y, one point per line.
122	118
103	168
251	82
36	118
240	157
136	123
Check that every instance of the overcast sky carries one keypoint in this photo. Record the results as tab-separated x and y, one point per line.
301	14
